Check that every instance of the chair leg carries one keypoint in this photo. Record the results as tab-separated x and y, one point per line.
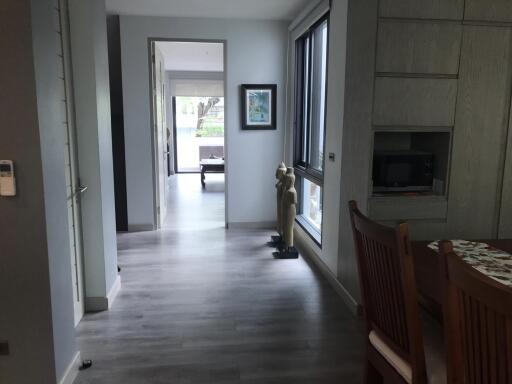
371	375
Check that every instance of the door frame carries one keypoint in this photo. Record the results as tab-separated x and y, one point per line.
154	141
174	135
157	211
76	190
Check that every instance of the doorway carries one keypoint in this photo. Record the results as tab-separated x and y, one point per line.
188	122
198	129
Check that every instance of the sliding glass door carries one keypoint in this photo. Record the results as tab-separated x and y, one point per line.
199	131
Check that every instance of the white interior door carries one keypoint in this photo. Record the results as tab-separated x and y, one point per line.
74	189
160	133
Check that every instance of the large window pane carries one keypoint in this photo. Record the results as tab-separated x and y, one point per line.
305	101
309	134
312	204
318	95
199	130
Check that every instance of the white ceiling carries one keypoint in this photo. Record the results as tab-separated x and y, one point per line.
238	9
190	56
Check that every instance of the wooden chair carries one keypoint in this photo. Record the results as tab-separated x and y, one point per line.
478	323
394	340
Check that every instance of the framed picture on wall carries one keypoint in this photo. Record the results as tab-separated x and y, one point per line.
258	106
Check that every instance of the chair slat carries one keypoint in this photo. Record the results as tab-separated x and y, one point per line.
389	295
480	321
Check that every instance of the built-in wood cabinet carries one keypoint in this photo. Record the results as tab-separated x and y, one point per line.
446	66
488	10
418	47
415	102
505	214
423	9
480	133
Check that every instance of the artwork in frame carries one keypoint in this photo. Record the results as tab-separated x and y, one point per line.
259	106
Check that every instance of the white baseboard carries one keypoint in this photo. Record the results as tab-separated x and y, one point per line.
140	227
72	370
99	304
114	291
252	225
307	252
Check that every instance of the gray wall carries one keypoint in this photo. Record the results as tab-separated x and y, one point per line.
35	273
355	160
92	99
255	54
328	254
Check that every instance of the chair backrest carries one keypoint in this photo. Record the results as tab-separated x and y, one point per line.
478	323
388	287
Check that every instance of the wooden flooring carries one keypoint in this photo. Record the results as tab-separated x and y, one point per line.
200	304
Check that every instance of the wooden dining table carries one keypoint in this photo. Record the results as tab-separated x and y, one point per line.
427	273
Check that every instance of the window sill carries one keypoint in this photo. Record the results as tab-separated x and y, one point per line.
314	178
314	233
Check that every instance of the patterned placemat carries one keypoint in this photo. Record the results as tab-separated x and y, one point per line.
493	262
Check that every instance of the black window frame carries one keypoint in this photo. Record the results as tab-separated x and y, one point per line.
302	121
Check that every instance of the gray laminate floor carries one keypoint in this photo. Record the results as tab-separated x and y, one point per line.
200	304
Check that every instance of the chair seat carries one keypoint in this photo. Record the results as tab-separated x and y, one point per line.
434	355
400	365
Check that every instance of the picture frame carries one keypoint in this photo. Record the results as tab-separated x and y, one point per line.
259	106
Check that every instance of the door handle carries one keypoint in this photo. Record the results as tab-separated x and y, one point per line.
81	189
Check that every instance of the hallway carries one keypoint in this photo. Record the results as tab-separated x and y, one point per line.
190	207
200	304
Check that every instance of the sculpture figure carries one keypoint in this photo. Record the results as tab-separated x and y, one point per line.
288	213
280	173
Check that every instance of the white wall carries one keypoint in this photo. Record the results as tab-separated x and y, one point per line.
35	271
92	99
334	124
256	53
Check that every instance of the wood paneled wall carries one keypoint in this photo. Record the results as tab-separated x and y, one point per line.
446	65
430	66
480	132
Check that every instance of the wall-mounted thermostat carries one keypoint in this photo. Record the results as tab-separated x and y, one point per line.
7	179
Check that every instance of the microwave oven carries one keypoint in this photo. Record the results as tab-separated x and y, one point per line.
402	171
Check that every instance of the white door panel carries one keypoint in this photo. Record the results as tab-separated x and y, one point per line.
72	176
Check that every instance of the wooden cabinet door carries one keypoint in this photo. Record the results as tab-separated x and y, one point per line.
481	125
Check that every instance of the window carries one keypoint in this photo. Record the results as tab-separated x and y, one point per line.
199	130
309	138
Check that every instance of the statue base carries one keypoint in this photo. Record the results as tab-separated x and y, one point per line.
286	253
276	242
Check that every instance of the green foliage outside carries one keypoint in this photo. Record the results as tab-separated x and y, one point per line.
214	130
211	127
210	119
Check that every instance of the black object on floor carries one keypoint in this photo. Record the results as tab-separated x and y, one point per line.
287	253
86	364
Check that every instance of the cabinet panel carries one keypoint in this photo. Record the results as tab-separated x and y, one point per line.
505	223
414	101
418	47
489	10
480	131
423	9
407	208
